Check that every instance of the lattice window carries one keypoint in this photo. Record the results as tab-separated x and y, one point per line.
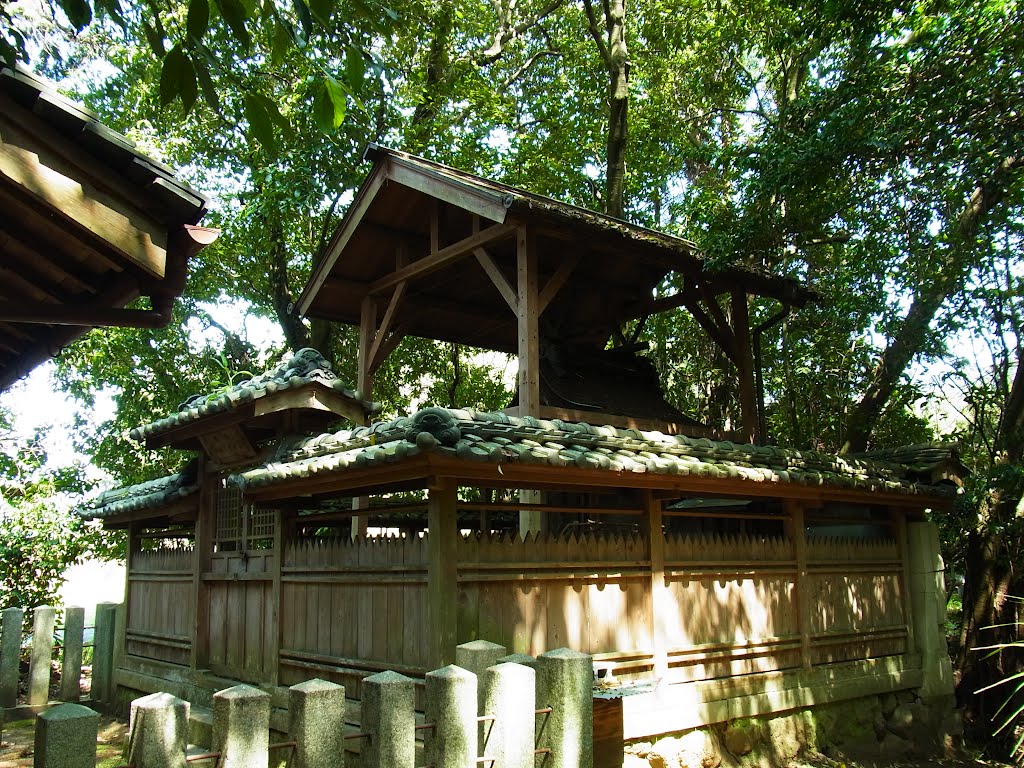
261	522
228	534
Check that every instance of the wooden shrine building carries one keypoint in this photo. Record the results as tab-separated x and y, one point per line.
709	578
88	224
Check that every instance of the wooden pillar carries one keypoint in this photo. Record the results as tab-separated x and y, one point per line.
364	385
661	599
745	366
899	517
272	654
528	316
199	658
442	572
798	533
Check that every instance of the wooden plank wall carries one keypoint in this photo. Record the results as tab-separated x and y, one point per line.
159	623
358	604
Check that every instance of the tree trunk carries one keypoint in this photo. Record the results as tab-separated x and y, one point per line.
910	336
611	44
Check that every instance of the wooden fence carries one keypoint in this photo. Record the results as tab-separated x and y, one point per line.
721	604
161	604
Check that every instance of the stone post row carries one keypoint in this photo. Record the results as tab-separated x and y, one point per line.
66	737
388	716
44	618
241	727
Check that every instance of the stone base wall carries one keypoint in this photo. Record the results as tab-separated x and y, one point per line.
889	727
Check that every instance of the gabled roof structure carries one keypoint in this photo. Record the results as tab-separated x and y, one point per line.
88	224
299	396
428	250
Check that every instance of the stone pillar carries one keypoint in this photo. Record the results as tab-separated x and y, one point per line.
316	710
519	658
71	670
565	680
510	695
476	656
103	652
158	732
451	702
388	715
928	608
10	655
241	727
66	737
44	618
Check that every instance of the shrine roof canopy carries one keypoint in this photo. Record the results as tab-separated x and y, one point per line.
88	224
452	238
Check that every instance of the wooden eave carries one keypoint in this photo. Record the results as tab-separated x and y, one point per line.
181	511
426	469
87	225
307	409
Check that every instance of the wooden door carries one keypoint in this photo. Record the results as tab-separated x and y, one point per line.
243	625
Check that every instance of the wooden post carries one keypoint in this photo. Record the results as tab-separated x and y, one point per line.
367	334
442	571
899	516
798	532
199	658
528	316
661	600
271	660
745	366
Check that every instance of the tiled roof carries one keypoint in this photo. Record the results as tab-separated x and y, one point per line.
148	495
302	368
501	439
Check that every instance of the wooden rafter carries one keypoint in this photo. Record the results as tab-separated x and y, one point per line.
554	285
443	257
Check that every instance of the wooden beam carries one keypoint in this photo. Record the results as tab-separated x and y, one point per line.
508	293
554	285
199	657
367	194
528	314
81	315
721	336
142	242
367	332
443	257
442	572
374	357
483	202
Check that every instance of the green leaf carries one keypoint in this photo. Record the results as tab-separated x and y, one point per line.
198	19
273	113
321	10
235	15
155	39
261	126
305	19
173	75
329	105
281	43
355	67
206	85
79	13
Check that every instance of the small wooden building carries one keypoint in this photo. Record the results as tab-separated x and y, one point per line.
88	224
710	578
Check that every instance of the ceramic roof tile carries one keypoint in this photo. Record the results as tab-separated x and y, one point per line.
496	437
148	495
305	366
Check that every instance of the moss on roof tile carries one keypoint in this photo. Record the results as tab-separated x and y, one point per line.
498	438
305	366
147	495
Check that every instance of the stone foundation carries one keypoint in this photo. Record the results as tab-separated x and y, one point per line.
886	728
